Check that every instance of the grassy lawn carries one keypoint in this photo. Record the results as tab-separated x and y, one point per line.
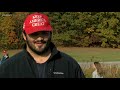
93	54
86	54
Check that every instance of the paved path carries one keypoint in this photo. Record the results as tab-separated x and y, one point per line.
87	64
115	62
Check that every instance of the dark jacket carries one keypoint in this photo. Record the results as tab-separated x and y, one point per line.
59	65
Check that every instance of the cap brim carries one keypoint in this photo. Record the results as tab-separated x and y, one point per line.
37	29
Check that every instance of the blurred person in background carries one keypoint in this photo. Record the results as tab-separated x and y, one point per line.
5	57
98	71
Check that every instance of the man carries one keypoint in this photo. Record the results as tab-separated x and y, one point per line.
5	56
40	58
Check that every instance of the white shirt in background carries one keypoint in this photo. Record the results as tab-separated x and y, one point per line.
96	75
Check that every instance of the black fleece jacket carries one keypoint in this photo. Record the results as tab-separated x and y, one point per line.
59	65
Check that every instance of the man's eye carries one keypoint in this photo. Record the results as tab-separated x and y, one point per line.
45	33
34	34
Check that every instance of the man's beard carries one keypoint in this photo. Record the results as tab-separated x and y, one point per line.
46	48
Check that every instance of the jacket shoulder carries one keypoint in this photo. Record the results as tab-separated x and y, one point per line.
74	67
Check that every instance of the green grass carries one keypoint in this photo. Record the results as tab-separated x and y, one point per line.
93	54
86	54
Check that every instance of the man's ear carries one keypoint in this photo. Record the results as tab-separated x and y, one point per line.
24	36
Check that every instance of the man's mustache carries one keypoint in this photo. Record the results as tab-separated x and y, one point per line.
40	41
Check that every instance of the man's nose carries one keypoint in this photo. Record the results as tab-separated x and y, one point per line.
40	38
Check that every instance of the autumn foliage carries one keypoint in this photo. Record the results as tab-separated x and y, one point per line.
79	29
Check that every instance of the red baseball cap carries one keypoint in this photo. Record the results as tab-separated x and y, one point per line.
36	22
